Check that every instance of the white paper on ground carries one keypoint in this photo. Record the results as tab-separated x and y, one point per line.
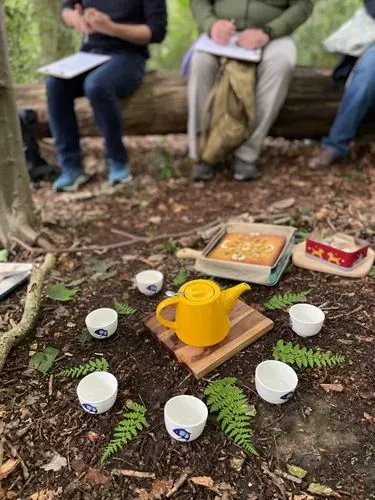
74	65
232	50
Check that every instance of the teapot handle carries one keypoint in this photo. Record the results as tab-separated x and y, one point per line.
167	302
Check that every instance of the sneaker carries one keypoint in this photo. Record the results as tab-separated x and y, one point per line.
70	180
323	160
119	172
243	171
203	172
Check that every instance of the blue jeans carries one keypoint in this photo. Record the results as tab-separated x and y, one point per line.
103	86
358	99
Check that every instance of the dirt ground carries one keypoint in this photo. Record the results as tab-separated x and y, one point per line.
331	435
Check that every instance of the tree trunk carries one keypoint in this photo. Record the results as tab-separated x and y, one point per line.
56	40
16	209
160	107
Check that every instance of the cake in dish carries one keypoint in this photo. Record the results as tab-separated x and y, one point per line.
257	249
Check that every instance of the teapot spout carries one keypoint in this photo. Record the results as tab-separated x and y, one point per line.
230	296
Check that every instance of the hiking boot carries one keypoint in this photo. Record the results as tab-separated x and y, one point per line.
70	179
203	172
243	171
119	172
323	160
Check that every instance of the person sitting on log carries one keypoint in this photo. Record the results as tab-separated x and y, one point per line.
119	28
357	100
263	24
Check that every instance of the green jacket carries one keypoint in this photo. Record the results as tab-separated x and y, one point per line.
281	16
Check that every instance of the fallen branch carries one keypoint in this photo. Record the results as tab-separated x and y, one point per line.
132	240
10	339
138	474
178	483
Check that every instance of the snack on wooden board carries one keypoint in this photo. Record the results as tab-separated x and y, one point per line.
255	248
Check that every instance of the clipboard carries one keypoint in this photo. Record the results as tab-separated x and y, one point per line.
21	275
74	65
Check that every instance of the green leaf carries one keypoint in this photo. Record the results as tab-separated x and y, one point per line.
286	300
127	429
60	293
372	272
124	309
4	254
296	471
85	337
301	357
94	365
42	361
180	277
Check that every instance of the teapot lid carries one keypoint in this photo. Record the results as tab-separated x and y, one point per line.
200	290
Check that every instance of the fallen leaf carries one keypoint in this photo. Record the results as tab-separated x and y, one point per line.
369	418
46	494
56	463
178	208
126	277
205	481
156	219
128	258
78	465
237	463
4	254
8	467
332	387
322	214
156	257
303	496
296	471
66	263
148	262
92	436
324	491
282	204
42	361
94	476
60	293
159	489
25	413
103	276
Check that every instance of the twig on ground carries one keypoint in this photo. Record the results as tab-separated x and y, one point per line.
138	474
32	305
132	240
15	453
178	483
50	386
289	477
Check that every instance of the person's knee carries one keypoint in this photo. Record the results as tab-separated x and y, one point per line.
55	86
95	89
202	63
283	57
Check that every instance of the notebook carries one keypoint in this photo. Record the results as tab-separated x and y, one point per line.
74	65
22	274
232	50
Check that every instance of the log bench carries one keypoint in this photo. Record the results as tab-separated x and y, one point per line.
159	107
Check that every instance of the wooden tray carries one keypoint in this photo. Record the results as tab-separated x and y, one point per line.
301	259
248	325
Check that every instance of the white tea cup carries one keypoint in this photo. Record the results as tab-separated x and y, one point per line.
149	282
306	320
97	392
185	417
275	381
102	323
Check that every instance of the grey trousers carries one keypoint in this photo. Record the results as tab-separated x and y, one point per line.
274	74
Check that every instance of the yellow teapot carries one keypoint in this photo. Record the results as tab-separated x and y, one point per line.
202	310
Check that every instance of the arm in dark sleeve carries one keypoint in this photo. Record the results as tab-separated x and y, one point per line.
156	19
292	18
370	7
69	4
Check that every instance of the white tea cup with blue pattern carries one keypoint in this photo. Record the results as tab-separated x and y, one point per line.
102	323
149	282
275	381
185	418
97	392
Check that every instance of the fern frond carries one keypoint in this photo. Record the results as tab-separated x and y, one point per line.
94	365
124	308
303	358
231	405
286	300
133	421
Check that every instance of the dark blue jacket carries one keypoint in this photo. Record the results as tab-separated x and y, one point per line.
150	12
370	7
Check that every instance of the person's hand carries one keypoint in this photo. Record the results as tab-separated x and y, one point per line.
80	24
100	22
222	31
253	39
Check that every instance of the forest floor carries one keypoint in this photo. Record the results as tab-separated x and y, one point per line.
329	434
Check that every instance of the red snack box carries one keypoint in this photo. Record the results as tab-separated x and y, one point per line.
338	249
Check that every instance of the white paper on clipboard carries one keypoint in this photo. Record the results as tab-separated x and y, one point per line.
74	65
232	50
